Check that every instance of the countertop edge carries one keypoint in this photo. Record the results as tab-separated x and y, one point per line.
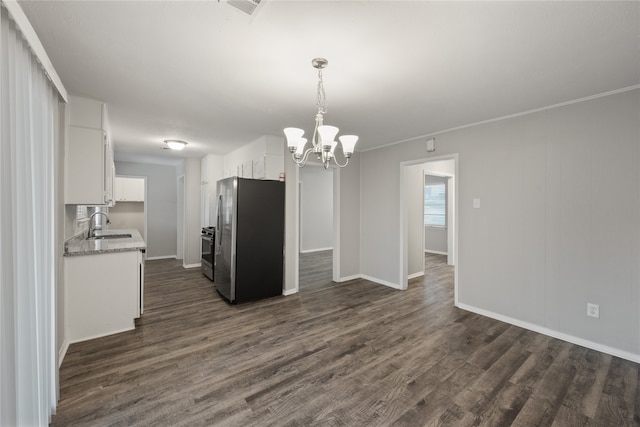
79	246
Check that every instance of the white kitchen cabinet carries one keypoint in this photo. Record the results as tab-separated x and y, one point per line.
88	113
129	189
89	165
260	159
103	293
258	169
140	299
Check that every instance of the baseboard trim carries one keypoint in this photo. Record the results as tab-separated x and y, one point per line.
435	252
62	352
371	279
414	275
553	333
153	258
381	282
308	251
348	278
287	292
191	265
93	337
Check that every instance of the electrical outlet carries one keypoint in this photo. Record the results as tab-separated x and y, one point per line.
593	310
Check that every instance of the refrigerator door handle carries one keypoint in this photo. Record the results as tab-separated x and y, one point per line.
219	222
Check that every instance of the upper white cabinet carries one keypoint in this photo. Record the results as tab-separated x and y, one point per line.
260	159
129	189
88	113
89	165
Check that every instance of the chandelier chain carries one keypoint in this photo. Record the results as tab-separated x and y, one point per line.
321	103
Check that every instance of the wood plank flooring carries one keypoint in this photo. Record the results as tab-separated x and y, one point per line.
315	268
350	354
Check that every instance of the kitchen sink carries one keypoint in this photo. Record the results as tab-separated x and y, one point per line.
109	236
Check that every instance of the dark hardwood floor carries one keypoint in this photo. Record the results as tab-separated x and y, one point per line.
351	354
315	268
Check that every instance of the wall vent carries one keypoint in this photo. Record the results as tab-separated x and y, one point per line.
247	6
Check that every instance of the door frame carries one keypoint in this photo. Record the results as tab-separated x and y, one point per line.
180	238
404	226
336	224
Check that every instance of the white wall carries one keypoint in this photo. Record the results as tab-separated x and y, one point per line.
128	215
435	240
380	218
161	205
291	226
558	226
192	229
347	214
211	171
316	209
414	197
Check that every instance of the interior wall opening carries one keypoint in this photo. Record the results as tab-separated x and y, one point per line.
426	235
180	219
316	226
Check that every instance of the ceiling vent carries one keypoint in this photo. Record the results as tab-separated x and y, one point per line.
247	6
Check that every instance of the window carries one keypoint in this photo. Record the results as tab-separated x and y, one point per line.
435	204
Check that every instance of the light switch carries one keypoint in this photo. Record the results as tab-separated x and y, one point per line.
476	203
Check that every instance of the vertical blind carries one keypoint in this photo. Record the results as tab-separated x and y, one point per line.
28	112
435	204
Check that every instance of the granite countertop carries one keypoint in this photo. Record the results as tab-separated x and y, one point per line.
79	245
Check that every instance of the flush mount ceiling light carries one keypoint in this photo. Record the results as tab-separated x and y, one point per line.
175	144
323	141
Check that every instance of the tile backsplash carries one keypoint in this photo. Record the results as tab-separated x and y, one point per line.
77	219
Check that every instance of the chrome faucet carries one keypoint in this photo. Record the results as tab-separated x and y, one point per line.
93	231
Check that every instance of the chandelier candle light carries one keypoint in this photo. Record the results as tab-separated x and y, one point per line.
323	143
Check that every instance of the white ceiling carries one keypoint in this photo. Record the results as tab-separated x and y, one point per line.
209	74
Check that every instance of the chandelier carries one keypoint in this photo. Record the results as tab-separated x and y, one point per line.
323	143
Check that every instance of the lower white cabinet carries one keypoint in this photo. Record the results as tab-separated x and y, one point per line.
103	293
140	299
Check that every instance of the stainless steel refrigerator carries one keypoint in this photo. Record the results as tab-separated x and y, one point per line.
248	263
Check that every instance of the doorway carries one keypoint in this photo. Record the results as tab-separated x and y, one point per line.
180	219
415	239
316	226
